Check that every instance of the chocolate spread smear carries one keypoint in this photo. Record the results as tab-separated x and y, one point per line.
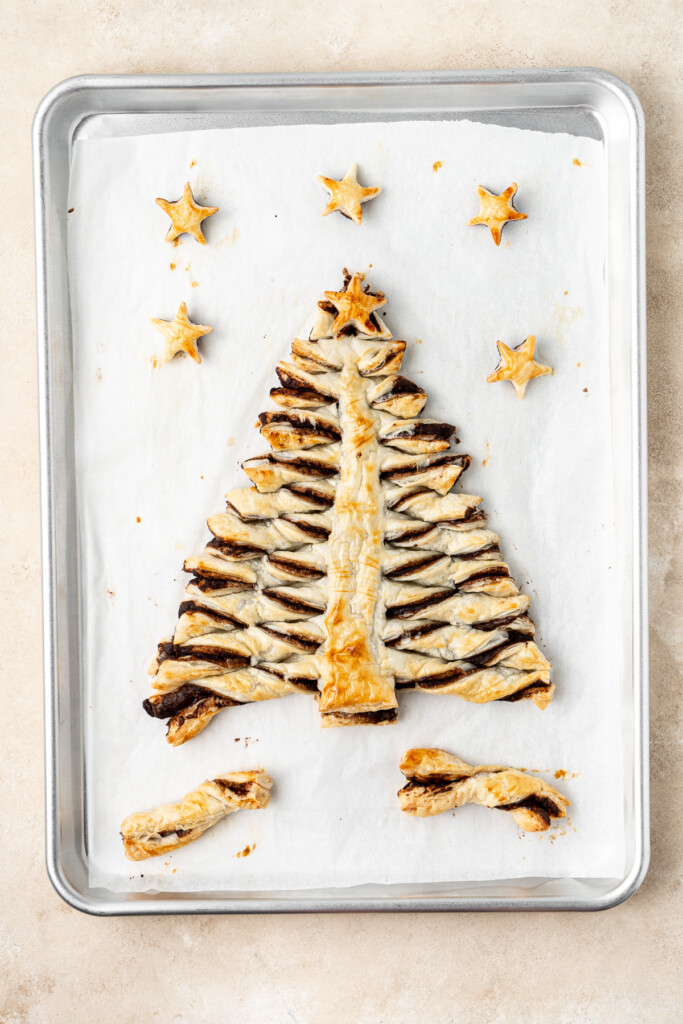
167	705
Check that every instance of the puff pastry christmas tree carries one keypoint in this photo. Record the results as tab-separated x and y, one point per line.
351	569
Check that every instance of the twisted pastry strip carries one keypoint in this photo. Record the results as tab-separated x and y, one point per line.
174	825
439	781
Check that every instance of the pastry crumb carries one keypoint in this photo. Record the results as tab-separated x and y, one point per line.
560	774
138	519
418	341
577	162
71	209
193	163
437	165
172	266
246	851
585	391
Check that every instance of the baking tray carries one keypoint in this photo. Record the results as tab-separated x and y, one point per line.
579	101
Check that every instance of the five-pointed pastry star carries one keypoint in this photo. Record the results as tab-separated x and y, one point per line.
517	365
186	215
496	211
181	335
354	306
347	195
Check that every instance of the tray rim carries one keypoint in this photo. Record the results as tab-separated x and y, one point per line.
625	887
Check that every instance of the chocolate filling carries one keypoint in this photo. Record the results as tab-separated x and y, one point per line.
410	608
415	633
168	705
396	387
472	515
309	528
309	466
411	532
527	691
193	652
236	788
232	549
294	568
210	584
310	493
498	572
299	640
542	805
317	427
293	604
365	717
301	394
428	431
403	472
406	497
413	568
189	607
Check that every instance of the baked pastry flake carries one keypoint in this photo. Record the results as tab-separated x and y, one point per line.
181	335
171	826
495	211
352	569
439	781
186	216
346	196
517	365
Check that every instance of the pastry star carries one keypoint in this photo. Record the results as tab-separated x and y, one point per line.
186	215
181	335
496	211
517	365
354	306
347	195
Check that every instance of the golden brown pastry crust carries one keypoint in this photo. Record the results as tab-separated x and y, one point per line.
439	781
517	365
347	195
495	211
351	570
171	826
186	215
180	335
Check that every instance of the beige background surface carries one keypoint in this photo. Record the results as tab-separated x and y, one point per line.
58	965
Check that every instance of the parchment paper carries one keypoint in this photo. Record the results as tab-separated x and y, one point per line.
158	447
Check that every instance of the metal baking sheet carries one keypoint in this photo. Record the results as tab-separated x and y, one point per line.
577	101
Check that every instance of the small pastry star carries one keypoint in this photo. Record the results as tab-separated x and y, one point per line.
496	211
517	365
347	195
186	215
354	306
181	335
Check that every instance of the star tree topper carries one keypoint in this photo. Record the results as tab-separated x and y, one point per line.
186	216
517	365
181	335
347	195
354	306
496	211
